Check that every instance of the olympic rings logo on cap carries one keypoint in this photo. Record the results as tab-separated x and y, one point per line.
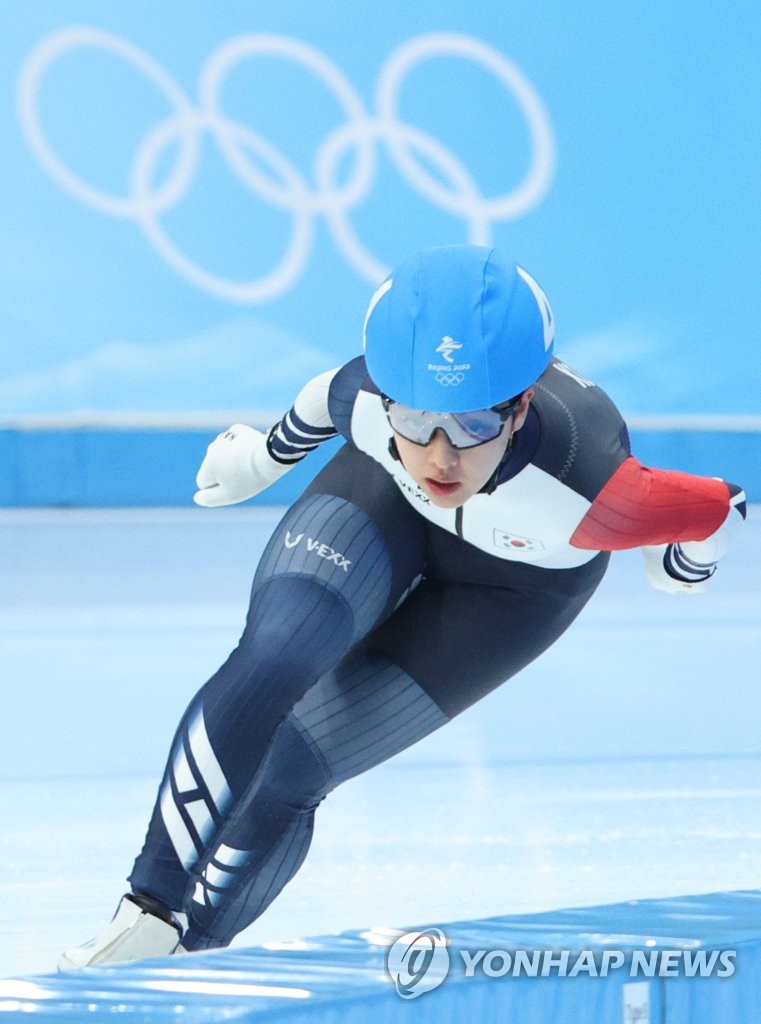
449	379
413	152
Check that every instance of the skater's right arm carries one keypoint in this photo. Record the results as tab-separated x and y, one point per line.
242	461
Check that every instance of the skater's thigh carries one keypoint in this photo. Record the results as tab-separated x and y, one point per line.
352	531
459	640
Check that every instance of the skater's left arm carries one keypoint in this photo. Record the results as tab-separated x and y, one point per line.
683	523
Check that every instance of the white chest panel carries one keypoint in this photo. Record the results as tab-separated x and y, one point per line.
530	518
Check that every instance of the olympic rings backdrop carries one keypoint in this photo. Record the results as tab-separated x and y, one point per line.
197	201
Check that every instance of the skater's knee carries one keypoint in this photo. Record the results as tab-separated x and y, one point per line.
295	774
296	620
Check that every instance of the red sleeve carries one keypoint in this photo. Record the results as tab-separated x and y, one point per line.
652	506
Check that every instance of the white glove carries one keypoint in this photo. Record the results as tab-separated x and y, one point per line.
236	466
689	567
669	569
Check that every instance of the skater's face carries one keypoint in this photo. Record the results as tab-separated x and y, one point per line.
449	475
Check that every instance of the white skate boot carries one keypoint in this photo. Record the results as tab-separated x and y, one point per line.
141	928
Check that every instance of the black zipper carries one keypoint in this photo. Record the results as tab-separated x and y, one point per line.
458	521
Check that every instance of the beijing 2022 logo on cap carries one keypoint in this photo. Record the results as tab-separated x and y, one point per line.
449	374
418	962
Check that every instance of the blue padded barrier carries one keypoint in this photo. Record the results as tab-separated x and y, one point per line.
654	949
119	467
104	467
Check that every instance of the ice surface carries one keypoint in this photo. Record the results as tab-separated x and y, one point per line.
624	764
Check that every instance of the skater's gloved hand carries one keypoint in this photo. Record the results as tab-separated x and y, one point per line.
669	569
689	567
236	466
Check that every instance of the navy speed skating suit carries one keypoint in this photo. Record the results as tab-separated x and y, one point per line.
376	617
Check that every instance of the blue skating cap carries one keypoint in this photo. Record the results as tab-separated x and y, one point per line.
457	328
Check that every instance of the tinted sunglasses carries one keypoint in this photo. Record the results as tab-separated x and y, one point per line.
463	429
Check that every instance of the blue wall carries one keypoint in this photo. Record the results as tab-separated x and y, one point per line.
693	960
95	466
